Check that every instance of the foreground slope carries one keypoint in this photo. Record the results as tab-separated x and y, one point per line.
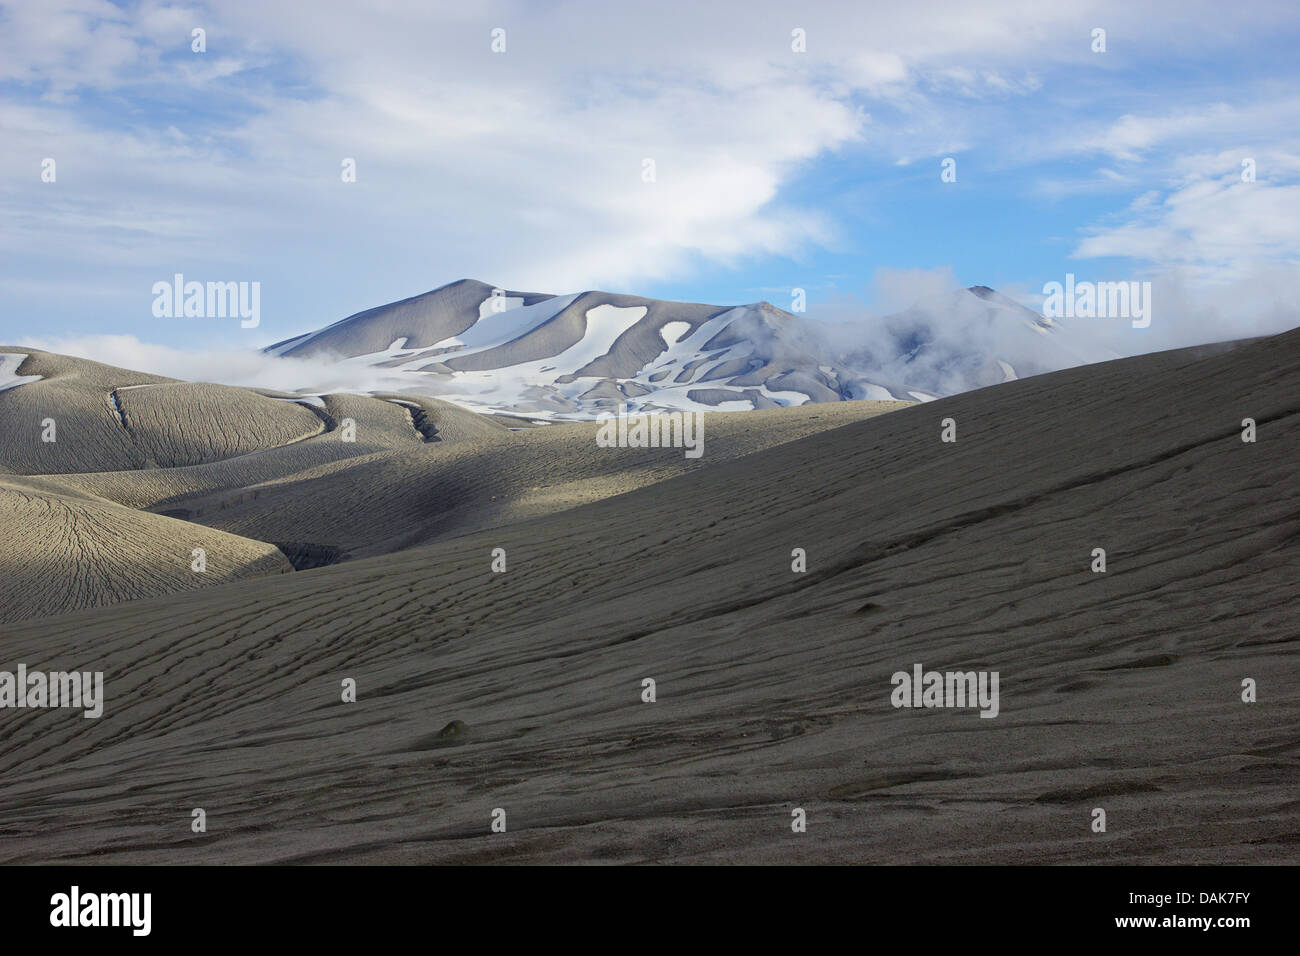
1118	690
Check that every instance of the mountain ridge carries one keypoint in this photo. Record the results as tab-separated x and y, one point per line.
576	356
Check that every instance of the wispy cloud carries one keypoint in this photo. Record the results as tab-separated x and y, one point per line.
1230	214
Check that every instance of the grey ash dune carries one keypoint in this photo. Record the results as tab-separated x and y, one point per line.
144	470
1118	690
111	418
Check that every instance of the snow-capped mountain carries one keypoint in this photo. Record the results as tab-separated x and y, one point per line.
574	356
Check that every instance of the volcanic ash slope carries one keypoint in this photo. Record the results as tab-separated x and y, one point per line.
119	485
1119	690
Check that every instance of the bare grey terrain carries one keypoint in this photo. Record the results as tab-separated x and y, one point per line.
522	690
143	470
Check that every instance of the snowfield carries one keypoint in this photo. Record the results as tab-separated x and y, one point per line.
10	362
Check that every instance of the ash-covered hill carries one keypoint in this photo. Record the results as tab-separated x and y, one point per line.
1119	690
574	356
113	481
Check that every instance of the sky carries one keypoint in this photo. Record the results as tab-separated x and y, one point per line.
775	167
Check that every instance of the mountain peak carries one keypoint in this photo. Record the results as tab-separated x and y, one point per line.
573	356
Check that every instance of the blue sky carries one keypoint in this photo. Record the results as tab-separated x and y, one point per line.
774	169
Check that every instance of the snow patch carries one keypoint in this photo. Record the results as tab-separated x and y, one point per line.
877	393
10	362
498	328
671	332
498	388
486	307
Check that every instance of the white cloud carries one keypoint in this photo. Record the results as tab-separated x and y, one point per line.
531	157
525	168
245	367
1211	224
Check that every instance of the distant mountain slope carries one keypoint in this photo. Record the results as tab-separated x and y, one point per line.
420	320
575	356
